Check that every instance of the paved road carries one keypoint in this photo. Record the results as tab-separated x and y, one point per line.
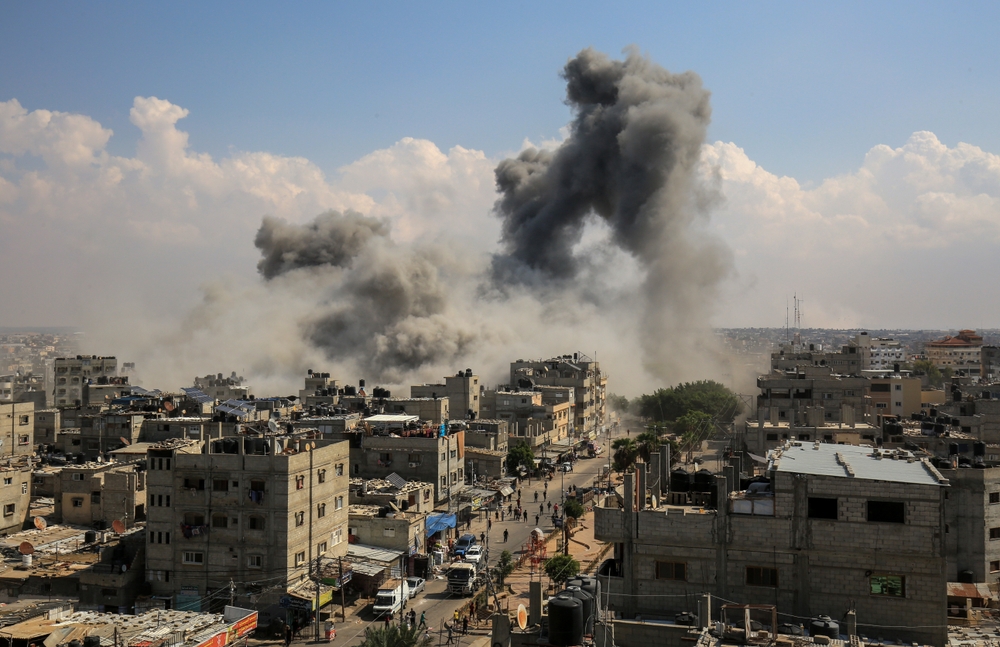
440	605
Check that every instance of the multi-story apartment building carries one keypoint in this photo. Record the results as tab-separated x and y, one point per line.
431	409
878	353
797	394
895	395
432	458
961	353
97	494
578	371
223	388
15	495
461	389
990	364
527	417
373	525
836	528
47	425
258	517
17	429
71	373
109	430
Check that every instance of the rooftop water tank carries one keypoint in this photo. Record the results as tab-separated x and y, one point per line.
824	626
565	621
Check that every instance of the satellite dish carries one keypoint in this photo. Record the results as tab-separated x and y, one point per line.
40	523
272	425
168	405
26	548
118	526
522	616
124	440
312	445
652	500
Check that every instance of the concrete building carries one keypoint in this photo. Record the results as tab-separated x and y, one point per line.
578	371
528	418
878	353
259	515
71	373
320	390
485	463
97	494
374	525
17	429
223	388
990	364
46	426
434	410
423	457
972	525
961	353
414	496
895	395
836	527
800	394
15	495
761	436
462	391
487	434
109	430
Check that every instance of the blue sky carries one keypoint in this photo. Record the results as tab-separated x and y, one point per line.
855	147
806	89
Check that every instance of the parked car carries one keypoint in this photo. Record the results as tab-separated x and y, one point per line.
416	585
474	554
567	467
464	543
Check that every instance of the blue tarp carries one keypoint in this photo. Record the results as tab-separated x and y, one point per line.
436	522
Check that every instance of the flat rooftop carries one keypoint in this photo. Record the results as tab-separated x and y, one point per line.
853	461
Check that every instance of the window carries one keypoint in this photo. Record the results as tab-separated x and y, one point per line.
95	497
191	557
444	481
220	485
300	482
8	509
10	480
762	576
671	571
899	404
78	502
24	487
994	533
321	547
321	476
300	518
23	439
339	503
414	459
194	484
995	567
388	532
321	510
23	420
255	561
772	436
340	469
994	497
300	558
220	521
256	522
891	585
194	519
887	511
822	508
337	536
804	437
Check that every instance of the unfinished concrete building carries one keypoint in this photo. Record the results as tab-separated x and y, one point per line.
578	371
97	494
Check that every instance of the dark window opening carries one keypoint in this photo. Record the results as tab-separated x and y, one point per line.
820	508
887	511
759	576
671	571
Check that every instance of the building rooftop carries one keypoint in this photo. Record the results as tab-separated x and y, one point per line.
391	418
850	461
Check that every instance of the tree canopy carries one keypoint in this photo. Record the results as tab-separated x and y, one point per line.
395	635
706	396
561	567
624	453
935	376
573	508
520	454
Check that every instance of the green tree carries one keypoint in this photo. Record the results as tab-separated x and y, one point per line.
395	635
647	443
504	567
691	429
561	568
624	453
706	396
520	454
926	367
573	508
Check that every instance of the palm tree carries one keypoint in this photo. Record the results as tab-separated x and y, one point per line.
647	443
625	452
396	635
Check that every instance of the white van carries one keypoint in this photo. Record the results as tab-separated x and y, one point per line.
391	597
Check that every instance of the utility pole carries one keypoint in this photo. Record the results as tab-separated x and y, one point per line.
232	594
343	595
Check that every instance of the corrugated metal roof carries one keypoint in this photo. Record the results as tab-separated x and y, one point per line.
849	461
373	553
969	590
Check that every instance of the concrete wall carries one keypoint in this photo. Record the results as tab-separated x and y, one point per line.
401	532
17	429
413	458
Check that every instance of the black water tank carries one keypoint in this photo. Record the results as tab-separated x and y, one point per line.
92	641
361	383
588	607
704	481
979	449
90	536
824	626
565	621
967	577
687	619
788	629
680	480
953	449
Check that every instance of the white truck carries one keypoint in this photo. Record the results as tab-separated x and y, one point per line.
462	578
391	597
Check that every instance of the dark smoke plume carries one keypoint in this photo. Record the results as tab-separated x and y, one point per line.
331	239
386	306
630	159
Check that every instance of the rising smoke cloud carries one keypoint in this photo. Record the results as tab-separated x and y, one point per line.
630	160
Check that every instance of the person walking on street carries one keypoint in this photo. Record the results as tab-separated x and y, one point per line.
288	635
450	641
489	524
423	620
413	618
550	505
465	625
505	535
518	494
501	515
482	538
537	517
545	494
536	496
